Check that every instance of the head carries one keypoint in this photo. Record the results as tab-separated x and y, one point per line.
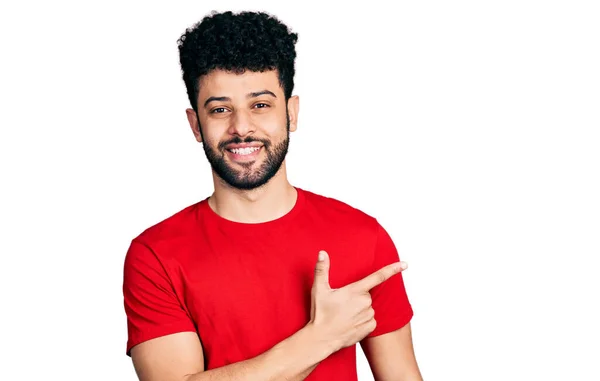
238	70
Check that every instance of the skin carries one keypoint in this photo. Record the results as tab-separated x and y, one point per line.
391	356
236	107
242	117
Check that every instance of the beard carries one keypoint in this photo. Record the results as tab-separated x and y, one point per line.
248	177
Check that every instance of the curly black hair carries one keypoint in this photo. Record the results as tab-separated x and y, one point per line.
254	41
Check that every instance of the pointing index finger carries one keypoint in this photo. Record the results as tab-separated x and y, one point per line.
379	276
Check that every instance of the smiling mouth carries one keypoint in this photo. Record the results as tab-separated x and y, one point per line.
244	154
244	151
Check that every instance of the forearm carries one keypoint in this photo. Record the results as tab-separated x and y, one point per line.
293	359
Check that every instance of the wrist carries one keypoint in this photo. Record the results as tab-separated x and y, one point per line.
297	354
323	346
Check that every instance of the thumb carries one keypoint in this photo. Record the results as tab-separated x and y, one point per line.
322	271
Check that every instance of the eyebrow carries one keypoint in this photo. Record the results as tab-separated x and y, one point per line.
249	95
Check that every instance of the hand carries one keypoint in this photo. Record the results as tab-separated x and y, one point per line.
344	316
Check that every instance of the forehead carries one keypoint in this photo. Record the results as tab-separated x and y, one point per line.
224	83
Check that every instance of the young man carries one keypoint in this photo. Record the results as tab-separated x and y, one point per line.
262	280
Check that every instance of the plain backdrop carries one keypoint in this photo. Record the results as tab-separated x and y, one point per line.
470	129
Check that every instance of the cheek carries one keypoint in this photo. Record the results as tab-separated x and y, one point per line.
213	133
210	141
274	125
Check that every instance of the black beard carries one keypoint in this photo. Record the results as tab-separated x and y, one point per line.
247	178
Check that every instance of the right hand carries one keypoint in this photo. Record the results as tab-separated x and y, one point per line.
344	316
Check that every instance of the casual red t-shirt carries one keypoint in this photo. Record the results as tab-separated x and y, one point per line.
246	287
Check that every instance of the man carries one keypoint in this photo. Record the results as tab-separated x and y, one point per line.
262	280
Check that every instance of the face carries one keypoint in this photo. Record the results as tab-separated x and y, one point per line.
244	122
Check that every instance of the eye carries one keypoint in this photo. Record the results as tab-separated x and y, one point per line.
218	110
261	105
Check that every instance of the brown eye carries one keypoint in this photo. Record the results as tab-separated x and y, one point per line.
218	110
261	105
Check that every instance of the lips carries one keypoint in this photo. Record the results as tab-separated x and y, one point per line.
242	145
244	150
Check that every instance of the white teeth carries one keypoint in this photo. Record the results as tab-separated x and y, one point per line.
244	151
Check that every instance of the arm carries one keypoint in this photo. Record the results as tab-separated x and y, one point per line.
179	357
391	356
389	347
165	346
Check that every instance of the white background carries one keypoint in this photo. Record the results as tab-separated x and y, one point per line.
470	129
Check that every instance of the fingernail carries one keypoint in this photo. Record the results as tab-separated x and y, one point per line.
321	256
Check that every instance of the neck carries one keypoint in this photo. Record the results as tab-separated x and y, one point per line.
269	202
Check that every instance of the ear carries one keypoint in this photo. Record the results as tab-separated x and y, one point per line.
194	124
293	105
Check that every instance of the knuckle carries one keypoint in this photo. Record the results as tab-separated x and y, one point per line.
372	325
371	313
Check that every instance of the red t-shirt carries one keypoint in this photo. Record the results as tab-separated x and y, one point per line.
246	287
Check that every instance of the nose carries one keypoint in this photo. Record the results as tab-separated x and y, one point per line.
241	124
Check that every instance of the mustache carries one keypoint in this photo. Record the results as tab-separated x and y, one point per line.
238	140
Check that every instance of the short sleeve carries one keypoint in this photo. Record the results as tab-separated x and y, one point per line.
389	299
151	305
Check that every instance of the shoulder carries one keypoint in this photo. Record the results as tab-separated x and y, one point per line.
178	226
340	212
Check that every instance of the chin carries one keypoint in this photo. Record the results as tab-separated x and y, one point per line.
249	182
